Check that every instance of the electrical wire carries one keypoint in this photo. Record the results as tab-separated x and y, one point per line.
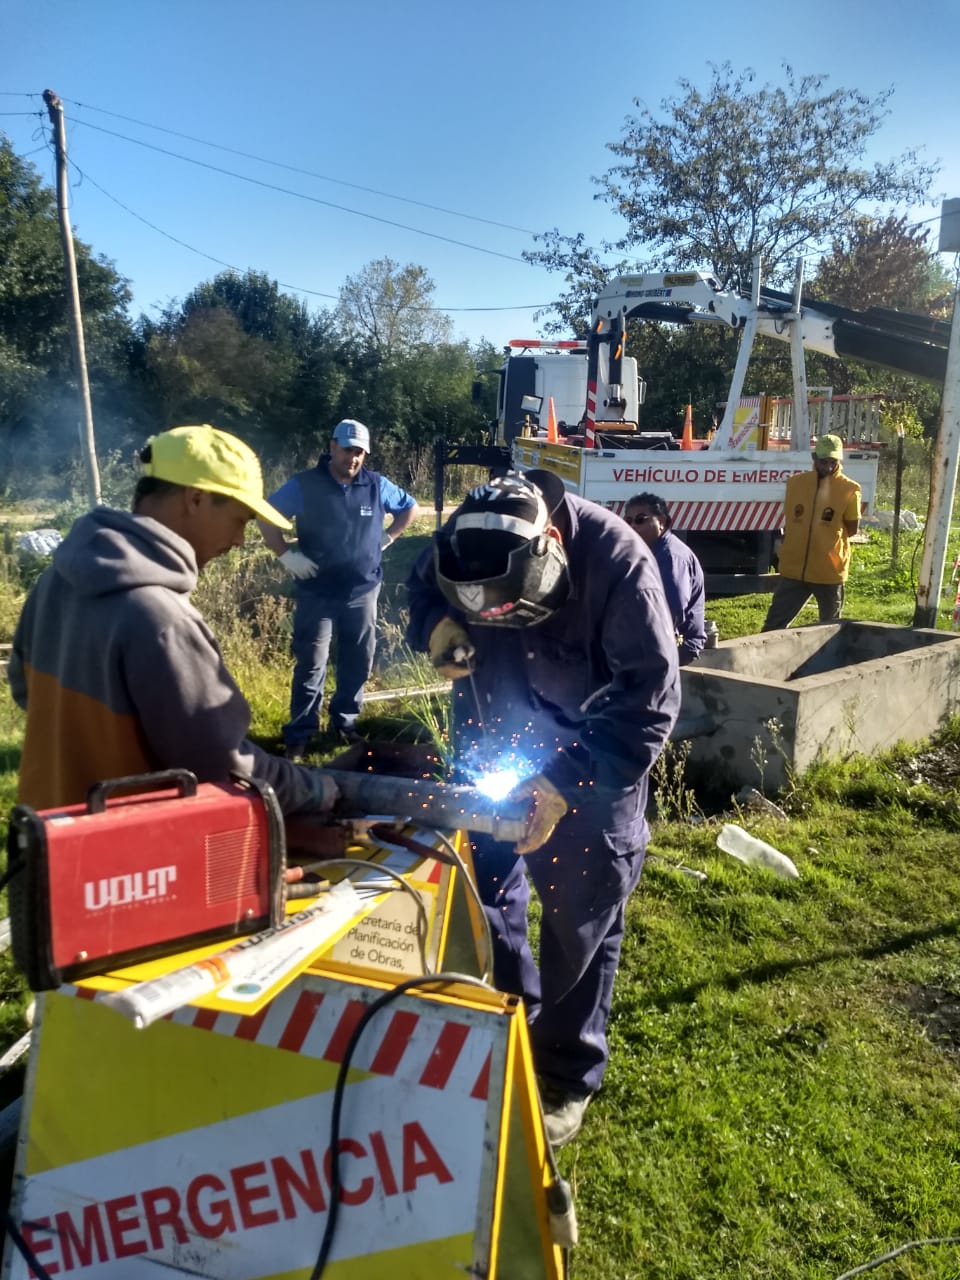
292	168
301	195
176	240
31	1259
468	880
299	288
895	1253
437	979
423	923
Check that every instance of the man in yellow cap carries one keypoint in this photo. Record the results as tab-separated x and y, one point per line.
117	671
821	515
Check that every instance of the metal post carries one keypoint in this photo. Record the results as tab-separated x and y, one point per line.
897	492
943	483
800	422
439	459
724	435
87	443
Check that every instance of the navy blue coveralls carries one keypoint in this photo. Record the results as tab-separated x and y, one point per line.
588	698
340	527
683	585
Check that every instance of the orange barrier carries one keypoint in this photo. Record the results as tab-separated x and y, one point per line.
553	436
686	440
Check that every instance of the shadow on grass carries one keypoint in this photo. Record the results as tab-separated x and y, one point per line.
767	972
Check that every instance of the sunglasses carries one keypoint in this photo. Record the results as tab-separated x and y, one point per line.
638	519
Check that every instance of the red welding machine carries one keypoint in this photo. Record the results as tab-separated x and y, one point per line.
165	865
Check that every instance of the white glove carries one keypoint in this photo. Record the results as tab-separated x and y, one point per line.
298	565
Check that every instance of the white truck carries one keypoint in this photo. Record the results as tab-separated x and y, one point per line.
725	498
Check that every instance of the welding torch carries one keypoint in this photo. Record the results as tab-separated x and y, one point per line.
368	801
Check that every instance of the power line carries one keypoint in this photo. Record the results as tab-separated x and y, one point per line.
271	186
176	240
292	168
282	284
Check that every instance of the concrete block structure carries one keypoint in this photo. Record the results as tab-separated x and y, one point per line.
763	706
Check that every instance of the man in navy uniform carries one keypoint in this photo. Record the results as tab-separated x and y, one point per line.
556	612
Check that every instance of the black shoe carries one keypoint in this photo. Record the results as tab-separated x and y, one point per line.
294	752
562	1113
349	736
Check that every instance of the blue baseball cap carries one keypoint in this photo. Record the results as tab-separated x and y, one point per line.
351	434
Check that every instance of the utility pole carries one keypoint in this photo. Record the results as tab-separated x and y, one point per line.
943	478
87	442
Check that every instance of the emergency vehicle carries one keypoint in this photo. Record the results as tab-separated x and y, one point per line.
725	495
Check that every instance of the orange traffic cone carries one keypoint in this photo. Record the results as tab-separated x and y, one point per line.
552	434
686	440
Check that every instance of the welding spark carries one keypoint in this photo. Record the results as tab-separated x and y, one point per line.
498	783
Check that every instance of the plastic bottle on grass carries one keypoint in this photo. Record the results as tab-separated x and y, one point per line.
748	849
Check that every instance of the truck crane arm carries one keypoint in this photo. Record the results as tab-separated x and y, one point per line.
911	344
908	344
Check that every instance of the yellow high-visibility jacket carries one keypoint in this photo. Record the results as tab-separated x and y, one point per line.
816	547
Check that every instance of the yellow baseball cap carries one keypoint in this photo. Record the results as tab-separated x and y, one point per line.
205	458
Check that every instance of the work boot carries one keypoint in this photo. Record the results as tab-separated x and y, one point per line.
562	1113
294	752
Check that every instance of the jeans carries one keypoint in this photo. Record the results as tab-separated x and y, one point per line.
315	623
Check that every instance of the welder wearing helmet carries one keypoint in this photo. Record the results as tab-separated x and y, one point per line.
549	615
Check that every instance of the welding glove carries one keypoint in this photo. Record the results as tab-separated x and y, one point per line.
547	807
326	793
450	649
298	565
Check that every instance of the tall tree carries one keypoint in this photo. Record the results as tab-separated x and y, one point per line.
39	408
390	308
244	354
884	262
723	174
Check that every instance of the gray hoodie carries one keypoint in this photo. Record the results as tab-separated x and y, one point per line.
119	674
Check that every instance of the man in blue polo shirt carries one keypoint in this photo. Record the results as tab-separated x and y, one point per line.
339	508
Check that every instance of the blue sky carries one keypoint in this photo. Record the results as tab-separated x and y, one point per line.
501	111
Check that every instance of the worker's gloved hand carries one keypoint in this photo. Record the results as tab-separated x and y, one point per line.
547	807
451	650
326	791
298	565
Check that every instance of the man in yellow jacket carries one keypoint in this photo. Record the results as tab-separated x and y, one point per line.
821	515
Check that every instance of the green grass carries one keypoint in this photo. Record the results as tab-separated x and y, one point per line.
775	1104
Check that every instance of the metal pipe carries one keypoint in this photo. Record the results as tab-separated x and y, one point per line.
898	493
430	804
943	483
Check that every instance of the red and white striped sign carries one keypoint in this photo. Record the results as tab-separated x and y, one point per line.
738	516
319	1024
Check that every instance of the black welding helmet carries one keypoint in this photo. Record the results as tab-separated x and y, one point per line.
495	562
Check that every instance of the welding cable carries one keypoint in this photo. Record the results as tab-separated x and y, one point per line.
339	1089
13	869
30	1258
423	924
451	858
